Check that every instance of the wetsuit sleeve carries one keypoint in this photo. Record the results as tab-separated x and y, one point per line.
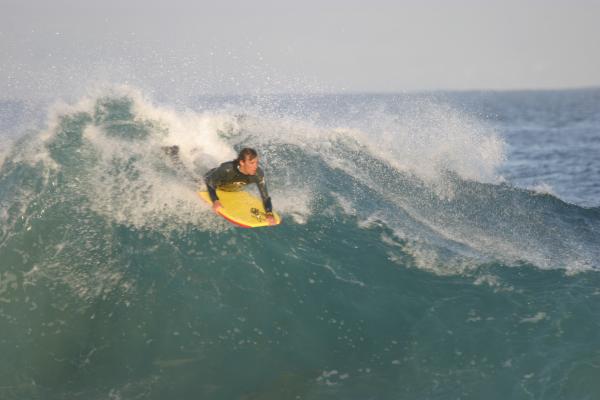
212	193
264	194
212	179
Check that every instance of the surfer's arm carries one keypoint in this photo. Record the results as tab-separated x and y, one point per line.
211	179
268	205
212	192
264	194
216	177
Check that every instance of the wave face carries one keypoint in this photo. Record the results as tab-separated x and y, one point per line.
407	266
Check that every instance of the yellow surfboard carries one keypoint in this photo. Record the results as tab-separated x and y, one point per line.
241	208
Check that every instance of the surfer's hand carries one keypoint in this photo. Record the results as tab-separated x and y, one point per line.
271	219
217	206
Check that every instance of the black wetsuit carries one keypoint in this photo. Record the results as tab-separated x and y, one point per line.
228	177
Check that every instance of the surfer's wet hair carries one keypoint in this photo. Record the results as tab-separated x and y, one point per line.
246	154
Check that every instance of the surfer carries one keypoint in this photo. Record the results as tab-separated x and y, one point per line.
233	175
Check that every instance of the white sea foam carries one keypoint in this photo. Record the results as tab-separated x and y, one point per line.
345	203
294	202
540	316
128	180
428	143
436	139
543	188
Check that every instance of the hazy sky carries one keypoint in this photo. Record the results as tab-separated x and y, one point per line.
185	47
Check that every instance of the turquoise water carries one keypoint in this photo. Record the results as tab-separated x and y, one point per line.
433	247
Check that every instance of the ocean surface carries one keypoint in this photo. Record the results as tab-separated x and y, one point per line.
440	245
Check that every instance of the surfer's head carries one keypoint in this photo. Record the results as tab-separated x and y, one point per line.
247	161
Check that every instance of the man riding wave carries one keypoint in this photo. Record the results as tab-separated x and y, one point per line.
234	175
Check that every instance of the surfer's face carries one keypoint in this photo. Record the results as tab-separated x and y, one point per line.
248	166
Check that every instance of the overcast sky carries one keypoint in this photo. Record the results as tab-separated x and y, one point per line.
189	47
